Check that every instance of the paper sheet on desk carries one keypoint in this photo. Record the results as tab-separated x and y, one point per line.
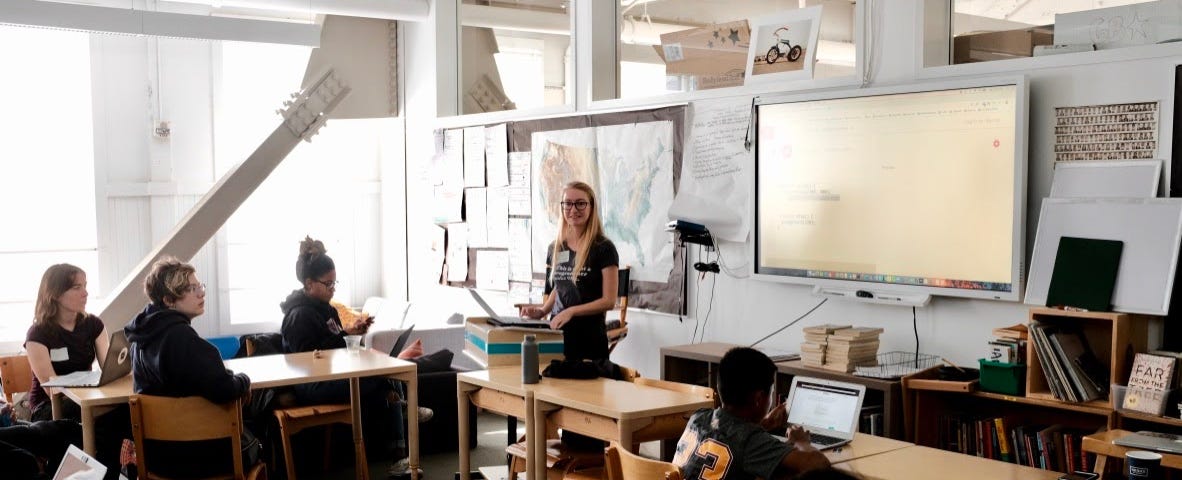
716	170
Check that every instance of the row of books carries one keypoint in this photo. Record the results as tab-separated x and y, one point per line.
870	421
1073	372
1049	447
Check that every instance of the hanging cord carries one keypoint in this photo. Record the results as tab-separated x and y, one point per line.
915	328
697	302
781	329
722	263
709	307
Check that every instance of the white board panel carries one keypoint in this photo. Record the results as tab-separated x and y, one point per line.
1131	178
1150	229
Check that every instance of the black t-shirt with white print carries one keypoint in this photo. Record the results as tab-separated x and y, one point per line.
584	337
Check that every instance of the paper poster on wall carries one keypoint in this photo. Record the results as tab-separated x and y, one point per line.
783	46
476	215
635	192
716	169
497	206
474	157
452	162
520	269
715	55
492	270
559	157
449	200
519	183
457	252
1120	131
496	155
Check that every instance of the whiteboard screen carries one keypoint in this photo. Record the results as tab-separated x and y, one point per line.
1133	178
1150	229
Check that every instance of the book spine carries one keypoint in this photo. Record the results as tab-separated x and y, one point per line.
1002	440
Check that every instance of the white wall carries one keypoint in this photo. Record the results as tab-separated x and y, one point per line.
745	310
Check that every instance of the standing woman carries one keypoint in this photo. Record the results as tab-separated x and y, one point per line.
582	277
64	338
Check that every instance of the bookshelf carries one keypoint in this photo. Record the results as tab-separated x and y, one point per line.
944	412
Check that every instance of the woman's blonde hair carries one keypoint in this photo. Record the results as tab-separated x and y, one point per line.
56	280
593	232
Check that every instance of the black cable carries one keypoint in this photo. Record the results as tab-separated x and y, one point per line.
781	329
709	308
697	302
915	328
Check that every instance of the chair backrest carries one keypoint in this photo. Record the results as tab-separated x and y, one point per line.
622	293
16	375
699	390
184	419
624	465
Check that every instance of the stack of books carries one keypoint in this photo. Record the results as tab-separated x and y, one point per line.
850	347
812	350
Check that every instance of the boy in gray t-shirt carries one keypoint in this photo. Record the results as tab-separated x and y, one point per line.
732	442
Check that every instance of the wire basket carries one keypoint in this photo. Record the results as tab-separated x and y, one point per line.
897	364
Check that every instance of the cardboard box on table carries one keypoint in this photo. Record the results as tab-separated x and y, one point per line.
500	346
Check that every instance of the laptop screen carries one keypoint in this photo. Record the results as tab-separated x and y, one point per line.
824	407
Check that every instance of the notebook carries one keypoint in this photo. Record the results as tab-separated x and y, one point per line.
1163	442
114	366
828	409
1085	273
505	321
77	465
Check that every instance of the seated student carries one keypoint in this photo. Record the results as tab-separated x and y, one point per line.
65	339
169	359
732	442
310	323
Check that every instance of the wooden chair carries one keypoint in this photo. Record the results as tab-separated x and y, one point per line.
614	335
295	419
188	419
16	375
625	465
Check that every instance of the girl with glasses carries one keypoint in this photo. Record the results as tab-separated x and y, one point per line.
582	273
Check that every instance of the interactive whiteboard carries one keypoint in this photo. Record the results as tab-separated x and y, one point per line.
1150	229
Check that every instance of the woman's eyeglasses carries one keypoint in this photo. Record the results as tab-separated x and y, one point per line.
198	288
579	205
331	284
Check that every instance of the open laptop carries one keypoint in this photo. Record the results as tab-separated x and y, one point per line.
400	342
116	364
505	321
1162	442
828	409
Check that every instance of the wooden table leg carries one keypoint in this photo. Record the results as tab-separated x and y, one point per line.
88	445
362	465
533	437
1101	462
462	400
541	410
412	422
55	404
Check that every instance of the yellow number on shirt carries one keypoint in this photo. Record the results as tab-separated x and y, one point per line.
722	459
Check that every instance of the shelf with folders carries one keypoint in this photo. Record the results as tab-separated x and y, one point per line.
1071	352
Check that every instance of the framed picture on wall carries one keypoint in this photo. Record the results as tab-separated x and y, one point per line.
783	46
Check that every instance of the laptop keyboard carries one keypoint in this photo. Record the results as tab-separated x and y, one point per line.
823	440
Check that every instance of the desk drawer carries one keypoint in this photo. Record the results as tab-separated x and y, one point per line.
603	428
499	402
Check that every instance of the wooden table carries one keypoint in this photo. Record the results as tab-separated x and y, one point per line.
498	390
924	463
1101	445
270	371
611	410
864	445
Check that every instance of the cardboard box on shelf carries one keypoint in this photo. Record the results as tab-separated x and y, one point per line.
986	46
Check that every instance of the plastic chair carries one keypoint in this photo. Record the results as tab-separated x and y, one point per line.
624	465
188	419
16	374
227	345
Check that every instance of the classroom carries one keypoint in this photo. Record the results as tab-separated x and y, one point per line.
965	208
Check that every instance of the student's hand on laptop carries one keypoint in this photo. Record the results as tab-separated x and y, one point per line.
531	311
557	321
775	419
799	437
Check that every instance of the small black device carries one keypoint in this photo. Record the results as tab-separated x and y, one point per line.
864	294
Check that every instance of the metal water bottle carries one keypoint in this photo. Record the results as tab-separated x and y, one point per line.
529	360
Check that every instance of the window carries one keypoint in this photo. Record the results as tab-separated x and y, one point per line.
720	60
514	55
987	30
47	189
327	189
